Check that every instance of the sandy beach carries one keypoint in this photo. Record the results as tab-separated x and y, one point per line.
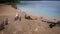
24	26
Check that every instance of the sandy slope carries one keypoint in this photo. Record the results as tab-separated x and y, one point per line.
24	26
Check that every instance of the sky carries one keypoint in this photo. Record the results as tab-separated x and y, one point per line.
44	8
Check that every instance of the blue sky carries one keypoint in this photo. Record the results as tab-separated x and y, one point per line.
45	8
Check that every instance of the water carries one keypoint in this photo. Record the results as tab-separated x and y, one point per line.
47	9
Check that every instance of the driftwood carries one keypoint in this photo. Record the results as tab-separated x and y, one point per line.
58	23
6	21
20	18
16	18
43	20
52	24
28	17
3	23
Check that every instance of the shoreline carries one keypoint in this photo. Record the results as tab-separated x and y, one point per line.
45	17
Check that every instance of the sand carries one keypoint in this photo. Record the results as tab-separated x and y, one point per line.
24	26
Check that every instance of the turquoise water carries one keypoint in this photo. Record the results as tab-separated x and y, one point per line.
47	9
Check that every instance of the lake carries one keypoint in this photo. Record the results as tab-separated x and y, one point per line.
47	9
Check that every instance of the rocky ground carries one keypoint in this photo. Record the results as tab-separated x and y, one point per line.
24	26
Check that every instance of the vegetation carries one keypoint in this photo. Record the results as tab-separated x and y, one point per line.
4	1
13	5
10	2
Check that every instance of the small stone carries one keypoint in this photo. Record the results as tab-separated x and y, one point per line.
2	32
36	29
14	32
